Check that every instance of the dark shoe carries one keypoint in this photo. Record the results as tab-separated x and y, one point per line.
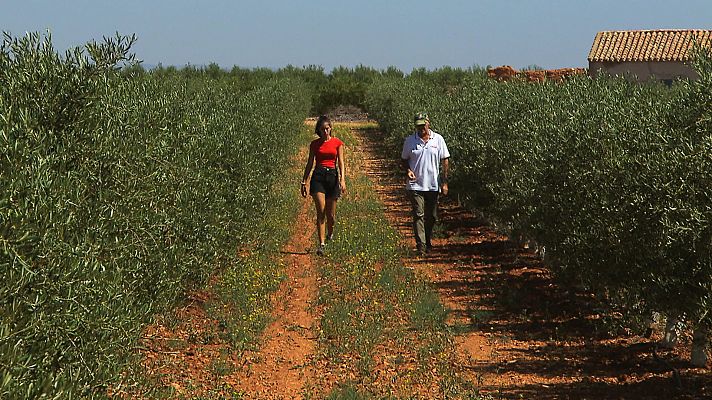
320	250
428	248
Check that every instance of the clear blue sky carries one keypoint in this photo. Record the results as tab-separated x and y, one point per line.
376	33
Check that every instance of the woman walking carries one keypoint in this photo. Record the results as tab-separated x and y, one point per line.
328	181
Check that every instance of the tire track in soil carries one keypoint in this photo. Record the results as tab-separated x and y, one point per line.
283	366
519	335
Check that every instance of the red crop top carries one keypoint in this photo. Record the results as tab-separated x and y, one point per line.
326	152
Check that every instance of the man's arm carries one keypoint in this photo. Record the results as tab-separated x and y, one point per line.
405	162
406	166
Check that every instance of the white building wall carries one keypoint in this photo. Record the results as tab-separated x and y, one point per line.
662	70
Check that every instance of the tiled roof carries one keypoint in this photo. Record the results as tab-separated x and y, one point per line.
653	45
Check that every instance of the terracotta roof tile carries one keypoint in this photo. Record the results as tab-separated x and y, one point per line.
649	45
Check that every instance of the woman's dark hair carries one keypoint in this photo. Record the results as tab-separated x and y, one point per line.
323	119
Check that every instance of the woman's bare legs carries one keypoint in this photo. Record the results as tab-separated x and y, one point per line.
320	204
330	211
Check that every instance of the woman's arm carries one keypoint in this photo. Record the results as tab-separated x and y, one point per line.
307	171
342	168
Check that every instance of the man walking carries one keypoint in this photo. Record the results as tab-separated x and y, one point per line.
422	154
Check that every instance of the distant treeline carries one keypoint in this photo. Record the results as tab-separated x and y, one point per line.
341	86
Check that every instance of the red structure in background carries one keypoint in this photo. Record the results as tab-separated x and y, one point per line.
506	73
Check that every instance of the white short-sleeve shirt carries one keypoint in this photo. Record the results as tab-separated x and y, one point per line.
424	160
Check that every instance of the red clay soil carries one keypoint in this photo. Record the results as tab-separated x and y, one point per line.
283	366
520	334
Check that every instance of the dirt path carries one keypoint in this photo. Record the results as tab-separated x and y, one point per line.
282	367
519	335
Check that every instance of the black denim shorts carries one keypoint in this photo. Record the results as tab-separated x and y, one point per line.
325	180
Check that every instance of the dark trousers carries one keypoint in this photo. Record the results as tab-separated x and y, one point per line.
425	213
